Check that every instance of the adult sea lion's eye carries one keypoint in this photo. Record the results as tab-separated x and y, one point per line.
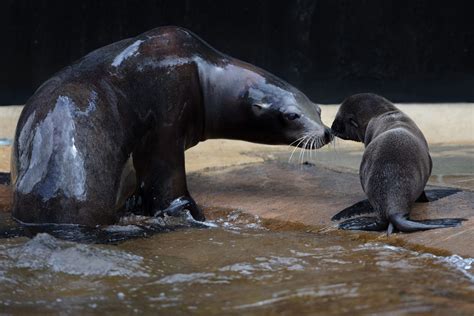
291	116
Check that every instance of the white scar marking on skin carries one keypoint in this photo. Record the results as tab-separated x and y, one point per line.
25	138
173	61
128	52
167	62
55	159
91	106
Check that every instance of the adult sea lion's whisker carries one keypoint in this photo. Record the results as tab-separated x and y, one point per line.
296	147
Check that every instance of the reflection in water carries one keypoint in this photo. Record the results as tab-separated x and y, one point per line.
234	268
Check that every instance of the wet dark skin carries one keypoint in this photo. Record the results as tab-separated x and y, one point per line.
395	166
117	122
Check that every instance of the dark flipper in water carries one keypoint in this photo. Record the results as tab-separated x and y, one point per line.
364	223
364	207
4	178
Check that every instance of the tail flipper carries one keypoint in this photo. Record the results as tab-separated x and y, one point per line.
405	225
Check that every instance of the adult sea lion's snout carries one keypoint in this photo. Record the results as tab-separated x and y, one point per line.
311	133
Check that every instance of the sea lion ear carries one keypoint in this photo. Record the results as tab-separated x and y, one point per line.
353	123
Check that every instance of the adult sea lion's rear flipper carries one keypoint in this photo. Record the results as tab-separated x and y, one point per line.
406	225
364	223
362	207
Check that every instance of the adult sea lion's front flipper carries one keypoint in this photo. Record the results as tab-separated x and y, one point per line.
161	177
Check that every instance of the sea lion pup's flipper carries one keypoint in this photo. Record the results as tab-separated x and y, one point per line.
422	198
364	223
362	207
398	222
403	224
437	194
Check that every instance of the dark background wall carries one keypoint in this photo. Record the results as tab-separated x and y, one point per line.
417	50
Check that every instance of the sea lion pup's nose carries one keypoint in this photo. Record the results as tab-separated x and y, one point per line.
328	135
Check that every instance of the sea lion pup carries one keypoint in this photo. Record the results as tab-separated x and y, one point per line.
148	98
395	165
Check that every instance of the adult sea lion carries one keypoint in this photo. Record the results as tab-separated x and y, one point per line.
395	167
150	97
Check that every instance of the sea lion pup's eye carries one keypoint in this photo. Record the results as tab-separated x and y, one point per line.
291	116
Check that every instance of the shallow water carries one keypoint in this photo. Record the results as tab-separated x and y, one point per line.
237	267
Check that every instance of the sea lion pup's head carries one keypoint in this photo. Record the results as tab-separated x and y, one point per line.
355	114
257	106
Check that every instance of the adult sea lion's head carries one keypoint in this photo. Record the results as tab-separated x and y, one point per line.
257	106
